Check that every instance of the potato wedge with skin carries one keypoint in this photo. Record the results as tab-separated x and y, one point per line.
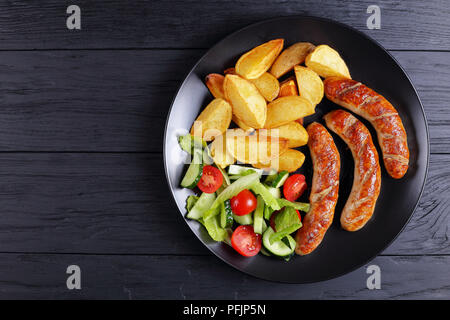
288	88
327	62
255	62
290	160
213	121
219	153
290	57
267	85
247	103
255	148
242	125
214	82
310	86
229	71
286	109
294	132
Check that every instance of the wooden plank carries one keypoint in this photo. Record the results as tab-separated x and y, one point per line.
120	204
118	100
88	100
431	80
200	24
183	277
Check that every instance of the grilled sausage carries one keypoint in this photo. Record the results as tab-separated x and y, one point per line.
367	174
380	113
324	190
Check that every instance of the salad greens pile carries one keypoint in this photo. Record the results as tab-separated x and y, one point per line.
270	223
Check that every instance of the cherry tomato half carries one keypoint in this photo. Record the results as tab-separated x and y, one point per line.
211	179
245	241
243	203
294	187
274	214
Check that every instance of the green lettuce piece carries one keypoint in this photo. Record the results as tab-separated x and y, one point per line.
286	222
190	202
188	143
296	205
215	231
268	198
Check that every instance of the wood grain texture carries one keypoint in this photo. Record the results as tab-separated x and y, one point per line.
120	204
88	100
82	178
178	24
118	100
164	277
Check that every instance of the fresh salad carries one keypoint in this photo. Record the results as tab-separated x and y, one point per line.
251	209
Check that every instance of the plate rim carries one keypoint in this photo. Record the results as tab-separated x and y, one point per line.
272	20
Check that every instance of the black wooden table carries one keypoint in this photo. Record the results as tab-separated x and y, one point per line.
82	114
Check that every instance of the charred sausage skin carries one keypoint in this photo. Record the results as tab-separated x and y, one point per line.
324	189
372	106
367	173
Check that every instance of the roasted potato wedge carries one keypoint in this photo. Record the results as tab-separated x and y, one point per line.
219	152
213	121
247	103
288	88
286	109
229	71
242	125
310	86
267	85
255	62
327	62
290	57
214	82
254	148
294	132
290	160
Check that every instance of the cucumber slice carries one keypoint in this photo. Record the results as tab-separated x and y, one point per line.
278	248
194	172
226	215
235	169
281	178
188	143
243	220
201	206
270	178
279	235
259	216
265	252
275	192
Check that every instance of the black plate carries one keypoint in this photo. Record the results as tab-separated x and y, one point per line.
340	251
